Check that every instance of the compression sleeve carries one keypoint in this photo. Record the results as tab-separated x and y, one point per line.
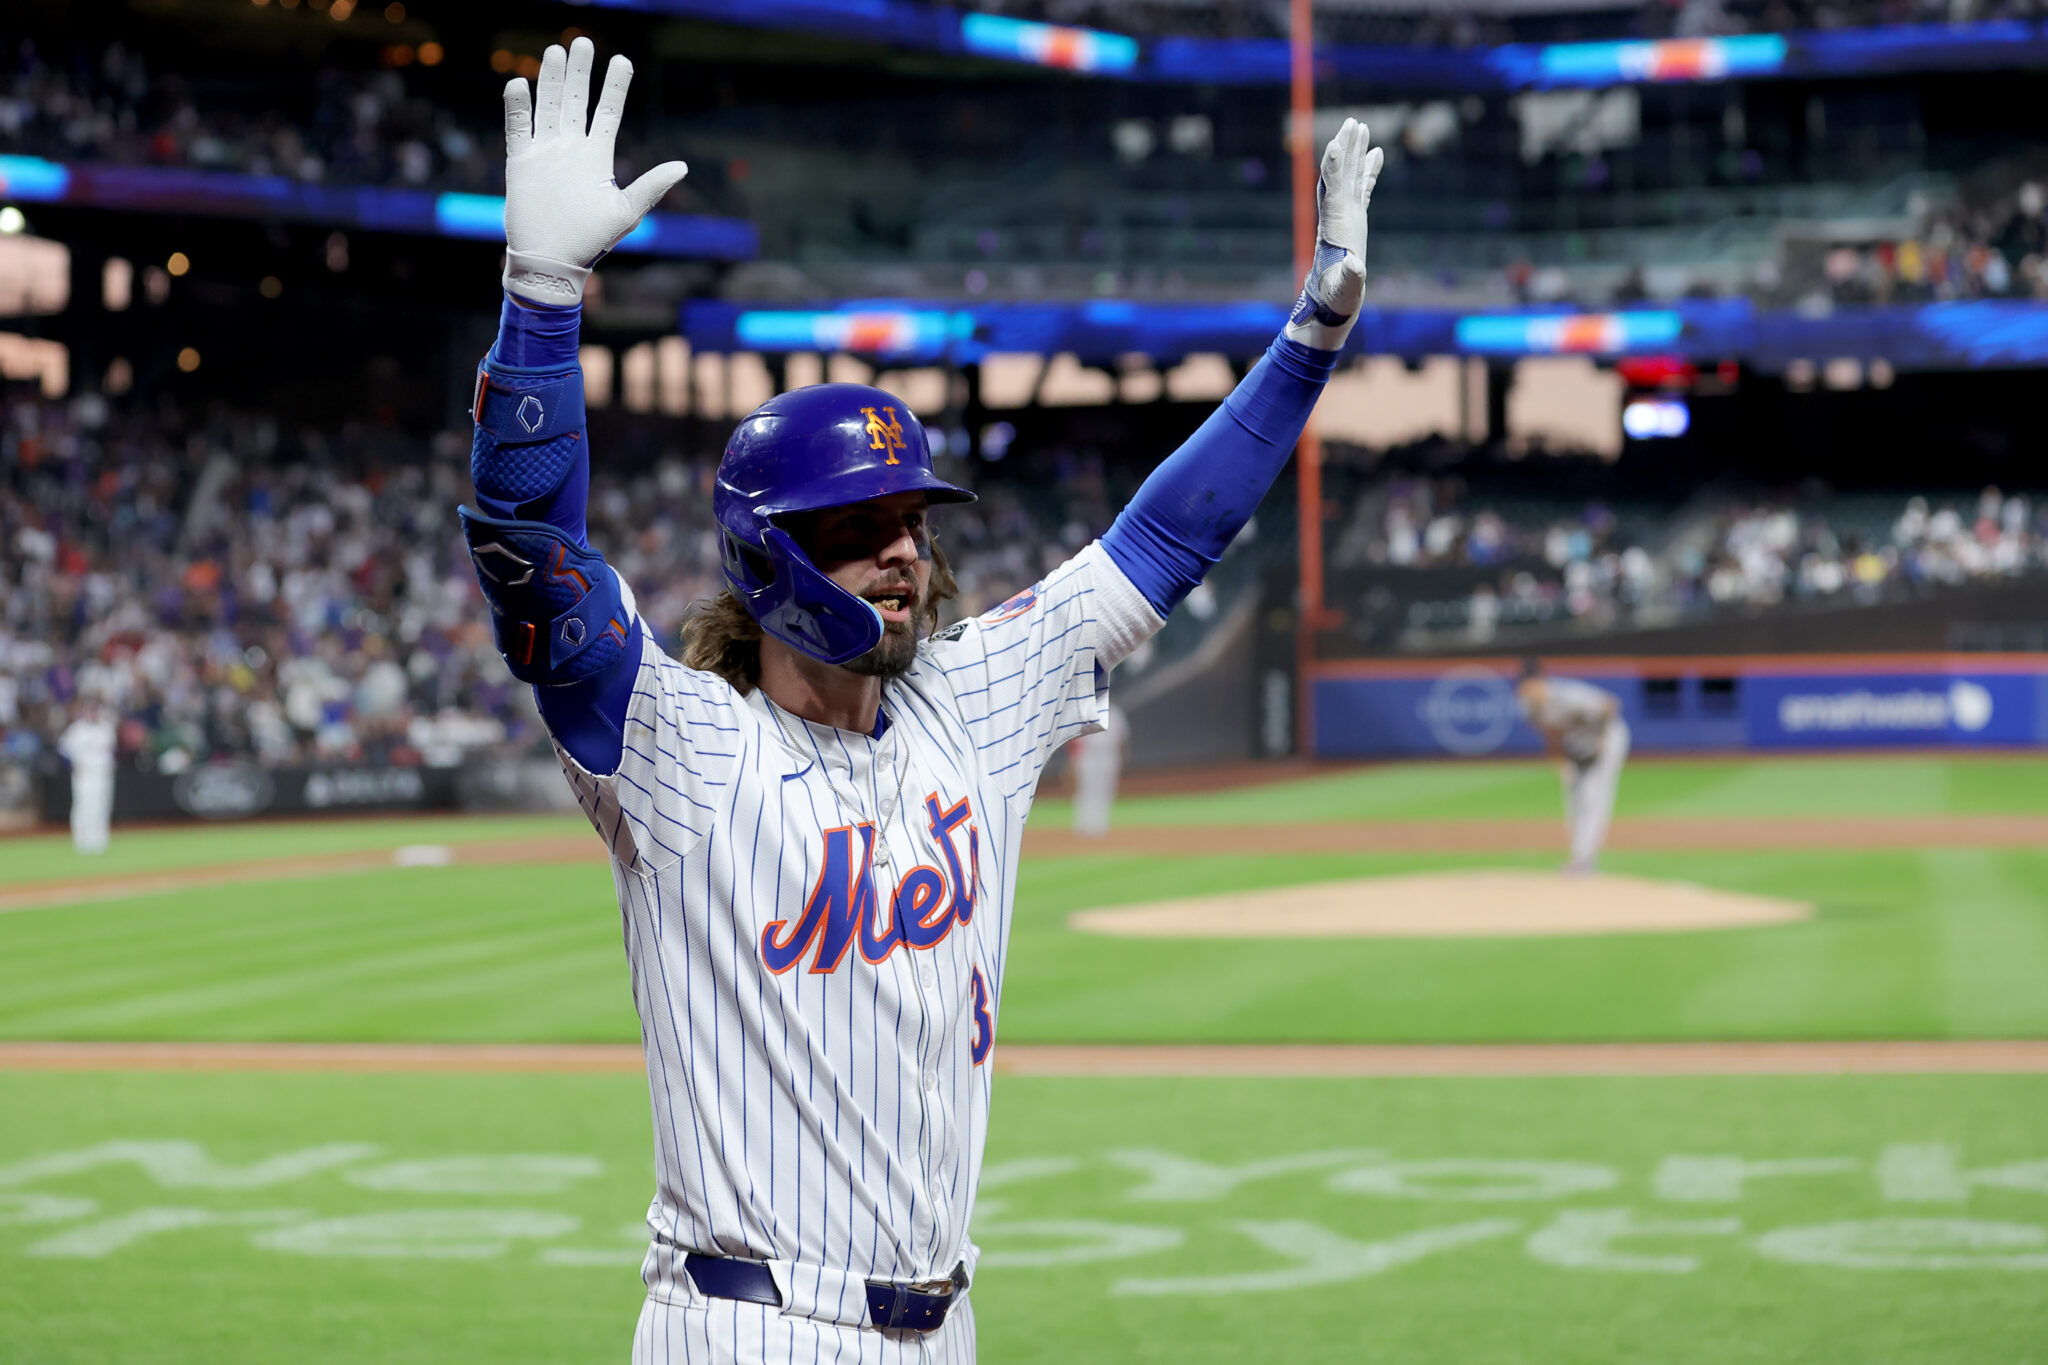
529	459
536	336
588	718
1198	499
530	462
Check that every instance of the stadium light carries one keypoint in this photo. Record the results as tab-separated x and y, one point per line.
12	220
117	283
1651	419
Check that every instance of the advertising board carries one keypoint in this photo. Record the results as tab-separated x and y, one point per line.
1467	708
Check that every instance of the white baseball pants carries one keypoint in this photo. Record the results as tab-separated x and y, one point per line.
728	1332
92	810
1096	764
1589	794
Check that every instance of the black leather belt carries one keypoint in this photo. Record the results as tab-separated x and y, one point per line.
891	1305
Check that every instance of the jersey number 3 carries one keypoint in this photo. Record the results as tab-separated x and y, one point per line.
983	1040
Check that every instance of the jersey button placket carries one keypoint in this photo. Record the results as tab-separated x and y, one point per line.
938	1141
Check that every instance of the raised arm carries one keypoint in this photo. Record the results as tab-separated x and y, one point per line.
1200	497
564	620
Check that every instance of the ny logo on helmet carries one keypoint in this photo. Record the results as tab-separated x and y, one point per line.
885	435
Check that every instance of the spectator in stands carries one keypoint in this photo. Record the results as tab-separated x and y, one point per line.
376	127
296	601
1597	569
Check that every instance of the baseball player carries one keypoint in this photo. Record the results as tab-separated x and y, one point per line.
1581	726
814	816
88	744
1098	760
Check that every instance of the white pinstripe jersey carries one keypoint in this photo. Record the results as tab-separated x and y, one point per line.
817	922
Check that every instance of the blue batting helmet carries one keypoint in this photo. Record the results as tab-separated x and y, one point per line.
811	448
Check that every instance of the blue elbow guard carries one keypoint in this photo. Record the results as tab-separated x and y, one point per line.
555	604
529	457
589	718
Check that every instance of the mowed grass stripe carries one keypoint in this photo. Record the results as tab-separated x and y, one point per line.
365	977
1868	966
249	930
468	954
1486	790
50	858
465	952
1673	788
1868	956
1993	935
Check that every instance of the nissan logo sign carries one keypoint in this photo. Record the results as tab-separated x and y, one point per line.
232	791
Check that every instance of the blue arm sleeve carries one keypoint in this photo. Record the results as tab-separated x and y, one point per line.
1198	499
529	459
589	717
553	607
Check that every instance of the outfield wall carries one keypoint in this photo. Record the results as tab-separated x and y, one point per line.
1466	707
244	791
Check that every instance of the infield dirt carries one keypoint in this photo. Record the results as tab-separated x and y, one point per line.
1462	903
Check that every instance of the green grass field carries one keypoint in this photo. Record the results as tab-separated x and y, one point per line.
1908	943
1707	787
252	1217
1989	785
421	1220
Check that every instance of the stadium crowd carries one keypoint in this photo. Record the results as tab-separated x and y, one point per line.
1997	251
358	128
229	588
376	127
1603	565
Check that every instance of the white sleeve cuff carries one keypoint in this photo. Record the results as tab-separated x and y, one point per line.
1123	618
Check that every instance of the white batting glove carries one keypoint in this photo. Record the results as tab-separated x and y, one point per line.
1335	287
563	209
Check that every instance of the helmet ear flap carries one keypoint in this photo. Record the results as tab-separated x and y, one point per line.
795	602
747	568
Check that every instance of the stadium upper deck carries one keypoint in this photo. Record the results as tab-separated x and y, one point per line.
1475	45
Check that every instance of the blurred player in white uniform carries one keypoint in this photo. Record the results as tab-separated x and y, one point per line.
1098	760
814	815
1581	725
88	744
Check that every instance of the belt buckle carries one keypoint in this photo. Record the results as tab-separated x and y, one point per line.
910	1305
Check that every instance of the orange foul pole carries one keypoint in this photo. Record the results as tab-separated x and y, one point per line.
1308	455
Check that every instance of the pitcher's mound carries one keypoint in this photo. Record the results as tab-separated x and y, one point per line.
1502	903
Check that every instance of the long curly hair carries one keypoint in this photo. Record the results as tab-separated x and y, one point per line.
720	637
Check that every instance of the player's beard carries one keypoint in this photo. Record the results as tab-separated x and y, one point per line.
892	657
